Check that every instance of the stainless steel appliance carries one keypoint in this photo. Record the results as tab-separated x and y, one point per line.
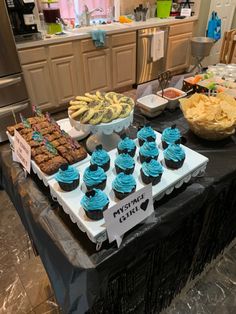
22	19
13	93
148	70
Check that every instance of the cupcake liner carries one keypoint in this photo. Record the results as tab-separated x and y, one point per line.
100	186
165	145
69	186
141	142
144	158
105	166
96	214
150	179
127	170
131	153
121	195
173	164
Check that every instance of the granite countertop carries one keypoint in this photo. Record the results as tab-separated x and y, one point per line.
84	32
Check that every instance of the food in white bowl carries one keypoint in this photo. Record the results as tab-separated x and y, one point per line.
172	95
151	105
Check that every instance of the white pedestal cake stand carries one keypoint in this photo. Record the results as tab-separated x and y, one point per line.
104	133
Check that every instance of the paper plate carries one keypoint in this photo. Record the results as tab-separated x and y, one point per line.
66	126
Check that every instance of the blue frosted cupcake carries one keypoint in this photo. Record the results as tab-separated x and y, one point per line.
124	163
170	136
174	156
126	144
95	177
101	158
123	185
148	150
94	202
144	133
68	178
151	171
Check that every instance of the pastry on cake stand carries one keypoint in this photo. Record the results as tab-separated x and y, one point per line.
104	133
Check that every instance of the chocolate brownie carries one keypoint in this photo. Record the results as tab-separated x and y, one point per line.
35	120
18	127
33	143
38	150
55	143
43	125
53	165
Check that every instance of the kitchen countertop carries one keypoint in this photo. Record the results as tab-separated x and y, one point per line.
84	32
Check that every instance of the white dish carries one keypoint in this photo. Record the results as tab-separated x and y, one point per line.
173	103
152	103
68	128
96	230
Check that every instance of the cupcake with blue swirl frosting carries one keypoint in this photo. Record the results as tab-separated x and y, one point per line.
148	150
174	156
170	136
123	185
95	177
101	158
151	171
124	163
126	144
144	133
94	202
68	178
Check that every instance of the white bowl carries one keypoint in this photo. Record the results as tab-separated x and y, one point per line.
152	105
173	102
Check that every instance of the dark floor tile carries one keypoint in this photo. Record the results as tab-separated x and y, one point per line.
14	299
35	281
48	307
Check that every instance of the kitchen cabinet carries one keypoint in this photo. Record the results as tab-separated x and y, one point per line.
97	70
178	52
123	65
38	82
178	55
64	79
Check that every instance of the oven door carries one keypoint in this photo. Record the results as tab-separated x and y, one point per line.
10	115
12	89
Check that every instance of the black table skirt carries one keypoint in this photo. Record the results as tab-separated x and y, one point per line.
156	259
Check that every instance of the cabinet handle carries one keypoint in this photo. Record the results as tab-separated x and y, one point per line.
10	81
15	108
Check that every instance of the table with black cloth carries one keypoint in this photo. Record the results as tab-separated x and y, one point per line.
157	259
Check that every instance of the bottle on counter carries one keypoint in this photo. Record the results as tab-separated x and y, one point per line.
52	16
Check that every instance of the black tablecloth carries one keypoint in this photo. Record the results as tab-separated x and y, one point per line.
156	259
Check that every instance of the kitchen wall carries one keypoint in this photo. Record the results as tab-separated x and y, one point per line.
201	26
127	6
234	20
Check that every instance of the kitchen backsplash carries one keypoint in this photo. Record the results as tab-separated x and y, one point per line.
127	6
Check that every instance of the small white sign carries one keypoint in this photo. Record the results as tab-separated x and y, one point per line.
185	12
22	151
128	213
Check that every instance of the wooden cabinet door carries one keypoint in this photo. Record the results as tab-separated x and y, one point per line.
64	78
97	70
39	85
124	65
178	54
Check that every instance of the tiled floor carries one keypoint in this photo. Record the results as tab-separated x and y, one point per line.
25	288
24	285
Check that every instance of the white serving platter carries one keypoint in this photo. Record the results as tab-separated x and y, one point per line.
194	164
35	168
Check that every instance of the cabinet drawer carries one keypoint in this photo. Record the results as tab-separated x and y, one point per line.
88	45
61	50
32	55
123	39
180	29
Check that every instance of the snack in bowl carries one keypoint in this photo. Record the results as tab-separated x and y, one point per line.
100	107
211	118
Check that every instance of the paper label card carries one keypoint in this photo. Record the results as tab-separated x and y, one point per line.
185	12
22	151
128	213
